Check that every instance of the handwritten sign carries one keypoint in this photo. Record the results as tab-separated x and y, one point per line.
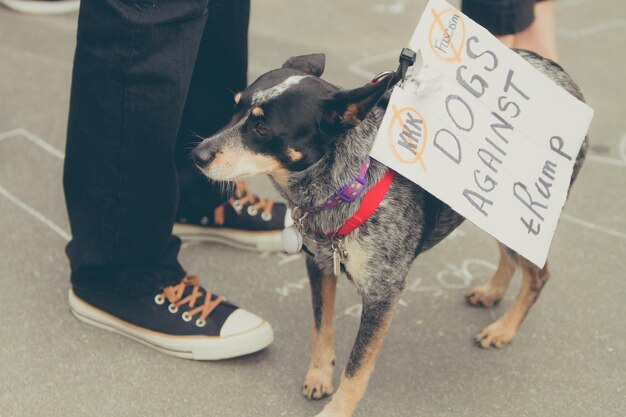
497	140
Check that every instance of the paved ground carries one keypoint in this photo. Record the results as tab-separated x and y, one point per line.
570	359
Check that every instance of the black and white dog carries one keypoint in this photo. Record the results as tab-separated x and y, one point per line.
312	138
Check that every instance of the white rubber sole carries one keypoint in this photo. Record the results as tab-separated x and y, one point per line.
188	347
254	241
42	7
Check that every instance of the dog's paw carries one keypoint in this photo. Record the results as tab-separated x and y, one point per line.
496	335
484	295
318	383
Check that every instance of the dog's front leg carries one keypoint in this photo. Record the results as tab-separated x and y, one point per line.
318	382
375	321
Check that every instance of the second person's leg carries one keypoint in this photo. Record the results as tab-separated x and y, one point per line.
208	212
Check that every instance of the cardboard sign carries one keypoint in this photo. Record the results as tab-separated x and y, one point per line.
492	137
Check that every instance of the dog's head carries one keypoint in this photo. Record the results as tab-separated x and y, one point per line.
284	122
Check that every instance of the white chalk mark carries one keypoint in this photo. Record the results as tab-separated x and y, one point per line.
288	258
21	132
398	7
593	226
300	285
416	286
355	69
35	139
43	144
462	276
354	311
10	133
592	30
456	233
58	230
357	66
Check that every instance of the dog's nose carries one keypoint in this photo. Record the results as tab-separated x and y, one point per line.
202	157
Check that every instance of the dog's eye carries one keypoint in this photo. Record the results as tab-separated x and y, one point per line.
262	129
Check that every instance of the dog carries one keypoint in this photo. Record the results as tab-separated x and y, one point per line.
312	138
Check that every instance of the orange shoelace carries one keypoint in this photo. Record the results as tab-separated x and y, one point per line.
174	294
243	197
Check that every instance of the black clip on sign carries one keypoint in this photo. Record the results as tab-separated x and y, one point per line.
407	58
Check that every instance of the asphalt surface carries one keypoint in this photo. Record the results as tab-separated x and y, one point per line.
569	359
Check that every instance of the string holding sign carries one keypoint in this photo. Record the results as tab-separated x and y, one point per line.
480	128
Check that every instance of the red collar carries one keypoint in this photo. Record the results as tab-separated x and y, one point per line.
371	200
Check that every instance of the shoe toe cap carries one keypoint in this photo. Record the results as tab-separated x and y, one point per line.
240	321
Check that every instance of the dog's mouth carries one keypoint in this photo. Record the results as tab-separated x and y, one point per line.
237	164
222	174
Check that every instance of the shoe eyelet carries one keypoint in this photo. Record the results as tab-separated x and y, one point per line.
237	205
172	308
187	316
266	216
159	299
252	211
200	323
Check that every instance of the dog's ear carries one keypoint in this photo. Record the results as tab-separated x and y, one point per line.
347	108
312	64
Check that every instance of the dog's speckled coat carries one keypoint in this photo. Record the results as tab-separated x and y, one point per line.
333	131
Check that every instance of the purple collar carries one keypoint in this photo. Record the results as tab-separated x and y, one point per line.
348	193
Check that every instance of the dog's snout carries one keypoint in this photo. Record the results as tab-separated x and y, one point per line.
202	157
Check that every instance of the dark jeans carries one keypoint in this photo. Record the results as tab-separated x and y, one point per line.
150	78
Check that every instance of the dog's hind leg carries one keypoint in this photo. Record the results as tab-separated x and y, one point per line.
490	293
375	321
504	330
318	382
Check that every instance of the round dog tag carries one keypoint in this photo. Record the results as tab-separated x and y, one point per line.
292	240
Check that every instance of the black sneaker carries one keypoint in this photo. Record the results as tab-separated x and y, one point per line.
244	221
184	321
42	6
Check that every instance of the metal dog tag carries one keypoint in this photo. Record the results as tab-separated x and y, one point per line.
336	262
340	254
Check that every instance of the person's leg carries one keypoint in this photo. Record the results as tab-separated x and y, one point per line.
236	217
523	24
502	18
132	71
220	71
507	40
540	36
